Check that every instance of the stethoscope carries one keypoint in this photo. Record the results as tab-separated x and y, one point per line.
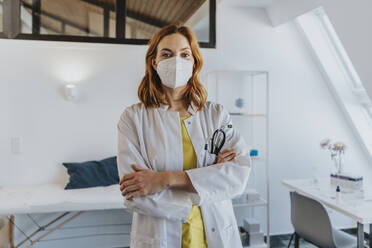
216	142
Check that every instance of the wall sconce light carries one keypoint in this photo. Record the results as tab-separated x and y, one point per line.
71	92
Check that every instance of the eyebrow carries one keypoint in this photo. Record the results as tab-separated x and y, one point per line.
167	49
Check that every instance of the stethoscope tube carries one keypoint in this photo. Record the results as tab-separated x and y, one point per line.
217	141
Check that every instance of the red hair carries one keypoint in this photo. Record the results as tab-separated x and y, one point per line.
150	91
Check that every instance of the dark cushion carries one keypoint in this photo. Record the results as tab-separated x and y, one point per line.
92	173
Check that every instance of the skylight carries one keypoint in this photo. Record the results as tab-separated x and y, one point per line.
340	73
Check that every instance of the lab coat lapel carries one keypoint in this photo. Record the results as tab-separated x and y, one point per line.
194	129
165	144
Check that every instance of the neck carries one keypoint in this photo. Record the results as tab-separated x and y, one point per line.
174	97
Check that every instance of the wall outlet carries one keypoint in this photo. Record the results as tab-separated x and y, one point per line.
16	145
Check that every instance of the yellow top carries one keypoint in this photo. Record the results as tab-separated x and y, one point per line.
193	234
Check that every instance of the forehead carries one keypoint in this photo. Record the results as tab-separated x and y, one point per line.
174	42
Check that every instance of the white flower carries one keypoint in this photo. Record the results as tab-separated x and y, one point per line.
324	143
339	146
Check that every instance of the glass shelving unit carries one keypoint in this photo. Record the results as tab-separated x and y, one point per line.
245	94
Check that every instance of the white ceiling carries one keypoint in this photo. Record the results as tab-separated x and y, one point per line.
250	3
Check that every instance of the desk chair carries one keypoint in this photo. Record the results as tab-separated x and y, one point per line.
311	222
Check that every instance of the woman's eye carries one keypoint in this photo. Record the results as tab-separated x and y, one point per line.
186	55
166	55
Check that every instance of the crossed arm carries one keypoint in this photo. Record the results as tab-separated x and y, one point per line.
145	181
171	194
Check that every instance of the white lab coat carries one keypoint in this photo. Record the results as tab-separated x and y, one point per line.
152	139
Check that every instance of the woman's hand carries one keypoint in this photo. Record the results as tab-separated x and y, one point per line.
225	156
142	182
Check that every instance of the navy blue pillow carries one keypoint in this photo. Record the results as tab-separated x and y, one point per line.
92	173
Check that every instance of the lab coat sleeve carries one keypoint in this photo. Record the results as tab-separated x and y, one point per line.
169	203
225	180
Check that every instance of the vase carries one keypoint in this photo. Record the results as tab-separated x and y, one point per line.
339	163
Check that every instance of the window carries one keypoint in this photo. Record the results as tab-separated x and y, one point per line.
110	21
68	18
339	71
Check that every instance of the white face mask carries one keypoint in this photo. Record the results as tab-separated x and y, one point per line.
175	72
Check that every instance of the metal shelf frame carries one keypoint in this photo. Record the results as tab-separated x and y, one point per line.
262	202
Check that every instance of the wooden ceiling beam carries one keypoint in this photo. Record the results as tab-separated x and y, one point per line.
146	19
142	18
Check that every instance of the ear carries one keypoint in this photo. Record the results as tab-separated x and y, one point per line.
154	65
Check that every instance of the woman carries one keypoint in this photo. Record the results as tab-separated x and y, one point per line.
179	193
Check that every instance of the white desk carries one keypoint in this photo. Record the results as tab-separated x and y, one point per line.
357	207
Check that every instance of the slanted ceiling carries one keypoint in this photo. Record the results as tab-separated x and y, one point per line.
351	20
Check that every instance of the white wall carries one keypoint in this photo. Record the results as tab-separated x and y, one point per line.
53	130
302	108
351	20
